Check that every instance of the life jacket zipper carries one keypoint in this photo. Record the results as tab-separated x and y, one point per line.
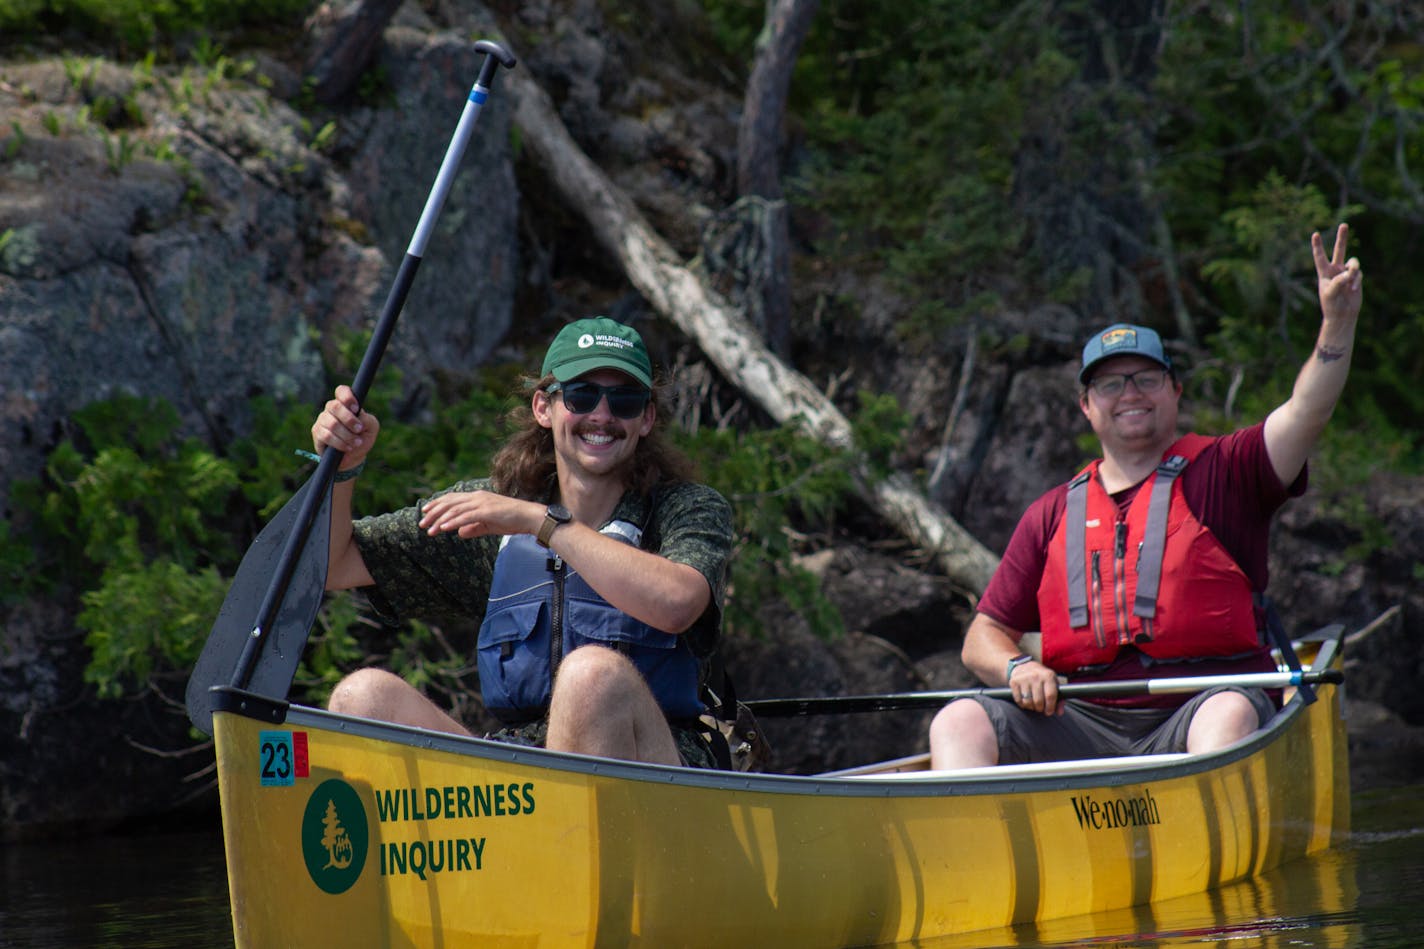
1120	582
556	617
1096	610
1148	633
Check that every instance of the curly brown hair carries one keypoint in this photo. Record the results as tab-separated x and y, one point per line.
524	467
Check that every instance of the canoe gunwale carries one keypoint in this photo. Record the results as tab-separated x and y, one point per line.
1000	779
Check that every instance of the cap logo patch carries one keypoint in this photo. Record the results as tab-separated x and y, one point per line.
605	340
1123	336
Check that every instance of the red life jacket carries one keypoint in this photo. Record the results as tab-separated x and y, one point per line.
1102	584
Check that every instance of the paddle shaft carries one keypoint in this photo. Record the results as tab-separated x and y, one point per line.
903	701
496	56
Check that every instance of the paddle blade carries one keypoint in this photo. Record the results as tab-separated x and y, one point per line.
286	636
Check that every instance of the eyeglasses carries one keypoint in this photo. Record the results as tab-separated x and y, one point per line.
582	398
1110	385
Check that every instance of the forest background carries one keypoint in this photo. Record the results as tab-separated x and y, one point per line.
953	195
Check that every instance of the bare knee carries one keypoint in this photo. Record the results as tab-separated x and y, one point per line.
596	675
375	693
962	736
368	693
602	706
1222	719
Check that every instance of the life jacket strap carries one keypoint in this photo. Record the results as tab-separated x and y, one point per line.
1154	538
1075	533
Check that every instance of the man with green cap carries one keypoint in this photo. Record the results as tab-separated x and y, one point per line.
594	559
1151	562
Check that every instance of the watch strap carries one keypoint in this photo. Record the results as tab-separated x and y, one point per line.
1014	663
552	520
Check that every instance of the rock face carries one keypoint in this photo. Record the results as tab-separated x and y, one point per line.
197	249
208	244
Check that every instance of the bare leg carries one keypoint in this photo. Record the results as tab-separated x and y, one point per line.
602	706
1222	719
961	736
375	693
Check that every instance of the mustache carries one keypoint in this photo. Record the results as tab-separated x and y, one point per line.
592	428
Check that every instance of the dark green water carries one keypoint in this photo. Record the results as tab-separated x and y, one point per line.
170	890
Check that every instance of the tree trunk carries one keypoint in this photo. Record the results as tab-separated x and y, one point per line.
759	160
724	334
341	40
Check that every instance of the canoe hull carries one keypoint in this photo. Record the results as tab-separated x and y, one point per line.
341	831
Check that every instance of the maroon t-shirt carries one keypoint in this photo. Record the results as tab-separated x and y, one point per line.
1230	487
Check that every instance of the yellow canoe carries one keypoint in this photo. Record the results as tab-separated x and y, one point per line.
342	831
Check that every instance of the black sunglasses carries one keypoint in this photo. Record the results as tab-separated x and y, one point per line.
582	398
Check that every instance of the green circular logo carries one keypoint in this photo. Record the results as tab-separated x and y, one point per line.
334	836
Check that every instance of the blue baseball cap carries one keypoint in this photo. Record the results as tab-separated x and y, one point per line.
1122	339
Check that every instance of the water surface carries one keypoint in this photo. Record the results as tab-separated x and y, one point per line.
155	891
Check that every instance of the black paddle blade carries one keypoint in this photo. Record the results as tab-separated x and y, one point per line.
276	662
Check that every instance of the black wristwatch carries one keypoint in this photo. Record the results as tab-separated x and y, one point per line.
555	515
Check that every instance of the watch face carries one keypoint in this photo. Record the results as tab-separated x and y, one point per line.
554	515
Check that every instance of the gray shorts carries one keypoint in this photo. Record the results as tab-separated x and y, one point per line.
1089	730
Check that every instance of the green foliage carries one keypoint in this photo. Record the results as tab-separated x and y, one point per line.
1266	275
333	648
453	439
118	152
324	137
783	485
990	156
125	488
1265	236
17	565
127	514
139	24
13	145
775	479
736	24
1279	121
915	111
146	527
147	617
878	428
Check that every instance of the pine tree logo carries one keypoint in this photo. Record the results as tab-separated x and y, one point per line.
335	836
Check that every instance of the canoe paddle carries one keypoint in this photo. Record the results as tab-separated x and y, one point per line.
262	628
903	701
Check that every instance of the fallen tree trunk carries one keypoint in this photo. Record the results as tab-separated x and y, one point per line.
725	336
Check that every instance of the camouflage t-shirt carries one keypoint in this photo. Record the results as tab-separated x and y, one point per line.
440	578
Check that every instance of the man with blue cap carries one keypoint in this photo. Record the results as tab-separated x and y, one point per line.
1151	562
594	560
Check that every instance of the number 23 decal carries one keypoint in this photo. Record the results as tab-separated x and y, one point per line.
281	757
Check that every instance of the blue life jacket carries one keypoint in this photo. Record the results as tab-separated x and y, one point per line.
540	610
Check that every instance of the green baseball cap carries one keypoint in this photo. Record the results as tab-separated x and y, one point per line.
598	343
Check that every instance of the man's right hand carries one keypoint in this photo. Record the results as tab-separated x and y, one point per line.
1035	687
343	426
